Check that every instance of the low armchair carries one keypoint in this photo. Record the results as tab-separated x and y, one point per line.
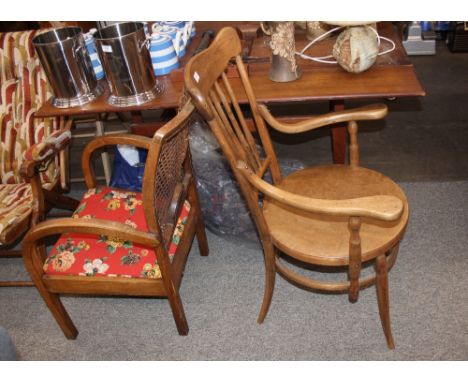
120	242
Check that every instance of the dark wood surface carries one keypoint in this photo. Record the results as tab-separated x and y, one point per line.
391	76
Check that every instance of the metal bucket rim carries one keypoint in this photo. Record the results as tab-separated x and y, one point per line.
94	35
35	43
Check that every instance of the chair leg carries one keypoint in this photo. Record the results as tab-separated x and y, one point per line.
57	309
178	312
270	275
200	224
201	237
383	298
52	300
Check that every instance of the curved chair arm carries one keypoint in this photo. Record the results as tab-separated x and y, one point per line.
370	112
38	156
381	207
36	159
108	140
87	226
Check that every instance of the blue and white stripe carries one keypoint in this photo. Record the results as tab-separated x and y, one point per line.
174	24
98	69
164	29
193	31
163	55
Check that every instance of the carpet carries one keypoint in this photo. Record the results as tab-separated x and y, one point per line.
222	294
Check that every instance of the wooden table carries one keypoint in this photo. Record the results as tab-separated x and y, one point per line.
391	76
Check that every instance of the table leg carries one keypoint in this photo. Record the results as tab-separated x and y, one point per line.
104	155
338	136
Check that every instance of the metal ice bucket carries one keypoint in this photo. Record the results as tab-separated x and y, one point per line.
65	60
124	52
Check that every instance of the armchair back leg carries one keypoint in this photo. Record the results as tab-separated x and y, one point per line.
270	276
383	298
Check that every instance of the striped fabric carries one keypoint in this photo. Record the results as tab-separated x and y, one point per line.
23	88
93	55
54	142
15	205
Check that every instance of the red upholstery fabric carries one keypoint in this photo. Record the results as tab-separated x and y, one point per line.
92	255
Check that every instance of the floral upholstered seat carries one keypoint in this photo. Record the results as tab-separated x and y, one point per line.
90	255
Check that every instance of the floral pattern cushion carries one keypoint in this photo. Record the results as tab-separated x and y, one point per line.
91	255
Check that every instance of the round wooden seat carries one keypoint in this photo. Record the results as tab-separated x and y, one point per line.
323	239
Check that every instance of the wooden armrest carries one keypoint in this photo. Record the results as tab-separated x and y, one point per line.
37	157
117	139
370	112
86	226
108	140
173	126
381	207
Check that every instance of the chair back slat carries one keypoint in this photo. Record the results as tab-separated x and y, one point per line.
240	116
231	135
250	152
213	95
259	123
211	92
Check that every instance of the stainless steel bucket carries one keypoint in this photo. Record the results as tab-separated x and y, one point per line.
63	55
124	52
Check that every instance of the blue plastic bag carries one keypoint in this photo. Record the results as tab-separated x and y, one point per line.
128	174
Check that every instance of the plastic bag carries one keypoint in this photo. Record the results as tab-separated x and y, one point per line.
224	209
128	168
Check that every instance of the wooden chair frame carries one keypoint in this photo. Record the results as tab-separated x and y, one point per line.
50	286
214	97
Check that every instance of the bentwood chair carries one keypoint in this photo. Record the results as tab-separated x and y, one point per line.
326	216
124	243
33	168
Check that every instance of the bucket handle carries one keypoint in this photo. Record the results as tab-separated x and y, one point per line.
145	42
